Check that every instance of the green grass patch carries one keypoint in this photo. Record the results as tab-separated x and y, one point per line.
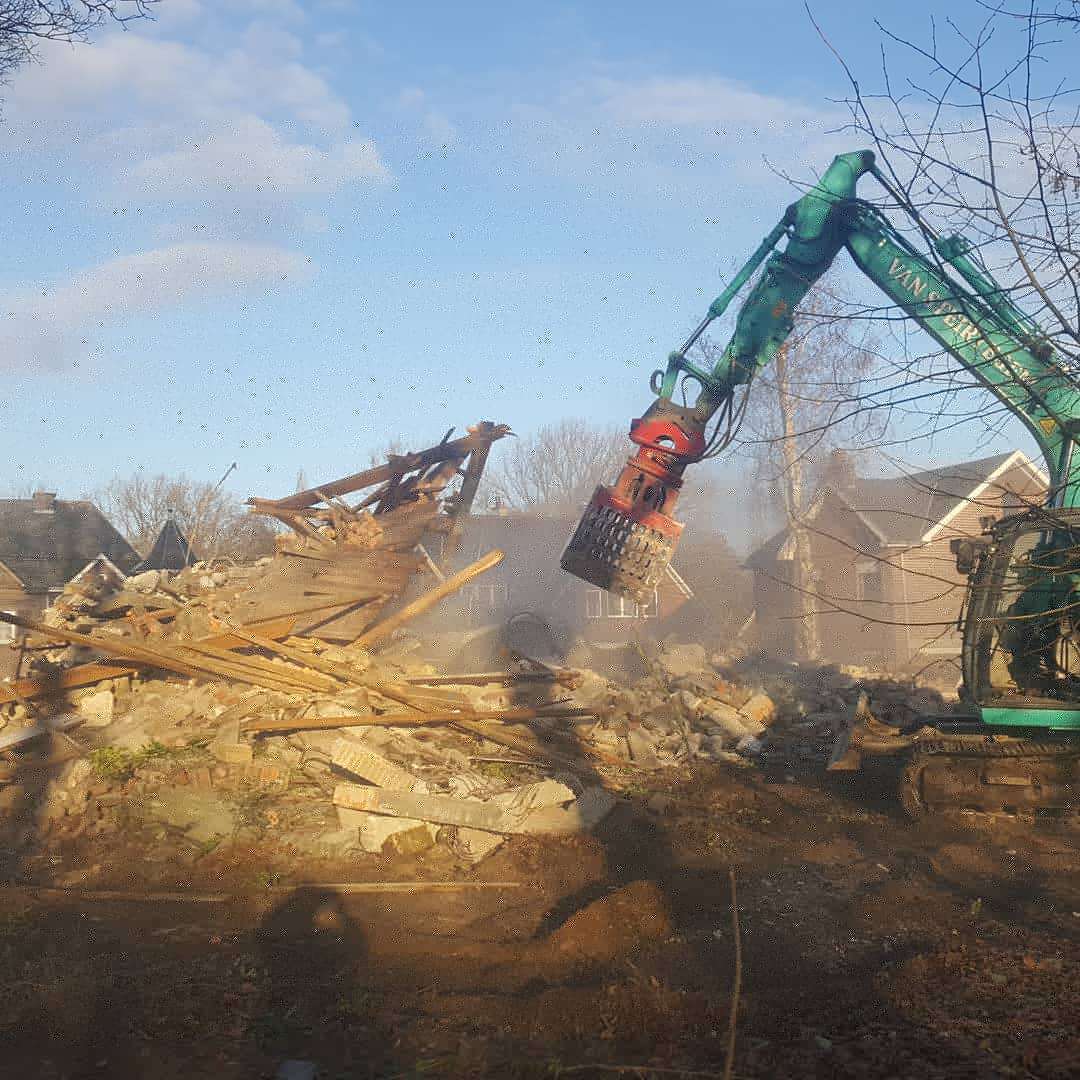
119	763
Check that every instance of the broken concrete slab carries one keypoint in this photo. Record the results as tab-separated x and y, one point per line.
531	809
351	757
583	814
129	734
201	815
680	660
412	841
760	710
227	746
146	582
232	753
522	800
641	748
438	809
374	830
729	720
351	819
17	736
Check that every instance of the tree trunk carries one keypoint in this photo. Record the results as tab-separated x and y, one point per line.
794	499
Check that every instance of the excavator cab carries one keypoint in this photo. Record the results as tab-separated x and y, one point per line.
1021	629
1010	746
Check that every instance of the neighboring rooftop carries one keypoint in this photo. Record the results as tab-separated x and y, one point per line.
171	550
902	509
46	541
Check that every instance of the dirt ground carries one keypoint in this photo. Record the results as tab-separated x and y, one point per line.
872	947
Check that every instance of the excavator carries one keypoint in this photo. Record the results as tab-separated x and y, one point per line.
1012	745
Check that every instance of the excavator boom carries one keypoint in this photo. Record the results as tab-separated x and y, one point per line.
1022	627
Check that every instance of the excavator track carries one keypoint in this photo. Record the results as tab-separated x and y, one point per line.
1025	778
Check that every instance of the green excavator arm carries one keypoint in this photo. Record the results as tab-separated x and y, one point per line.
626	536
974	321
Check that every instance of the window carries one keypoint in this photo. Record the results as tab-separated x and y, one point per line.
482	601
600	604
7	631
869	584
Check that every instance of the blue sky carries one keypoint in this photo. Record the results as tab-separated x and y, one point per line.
285	233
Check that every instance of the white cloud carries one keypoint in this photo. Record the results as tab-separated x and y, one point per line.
43	327
252	155
711	102
250	139
179	11
434	124
330	39
411	97
682	140
282	9
124	73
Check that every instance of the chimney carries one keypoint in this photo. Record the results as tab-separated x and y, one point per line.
44	502
839	470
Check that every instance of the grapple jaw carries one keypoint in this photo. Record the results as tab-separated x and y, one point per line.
620	547
626	536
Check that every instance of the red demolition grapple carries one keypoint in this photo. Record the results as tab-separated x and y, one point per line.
626	536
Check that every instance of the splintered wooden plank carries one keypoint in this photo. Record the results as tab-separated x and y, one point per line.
82	675
484	435
342	624
275	628
348	573
434	596
88	674
168	657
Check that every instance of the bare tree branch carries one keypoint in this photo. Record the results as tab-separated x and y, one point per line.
218	522
25	24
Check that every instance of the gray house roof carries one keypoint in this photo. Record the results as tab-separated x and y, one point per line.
903	509
171	550
46	541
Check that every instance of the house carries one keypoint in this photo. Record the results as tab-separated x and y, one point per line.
884	584
46	542
172	549
530	586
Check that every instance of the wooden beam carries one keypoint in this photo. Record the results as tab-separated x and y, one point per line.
88	674
434	596
476	722
158	656
563	678
484	434
474	471
338	671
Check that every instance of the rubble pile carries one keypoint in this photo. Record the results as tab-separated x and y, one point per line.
320	775
387	756
279	701
201	694
682	711
815	705
692	707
